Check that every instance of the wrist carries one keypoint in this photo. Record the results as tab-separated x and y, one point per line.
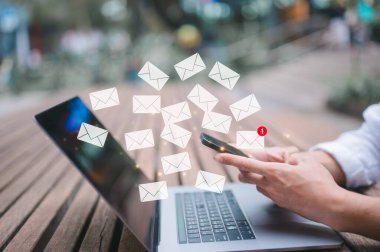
337	209
331	165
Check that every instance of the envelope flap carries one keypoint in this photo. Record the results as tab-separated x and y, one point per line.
214	70
249	136
153	188
104	95
205	96
199	61
146	100
191	62
225	72
93	132
177	109
178	132
144	69
140	136
253	101
176	160
211	178
218	119
155	73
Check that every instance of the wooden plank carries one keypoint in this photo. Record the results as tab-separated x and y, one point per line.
14	218
21	165
18	136
31	235
25	180
15	152
107	115
73	223
100	232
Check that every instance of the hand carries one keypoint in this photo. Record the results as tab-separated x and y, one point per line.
272	154
306	187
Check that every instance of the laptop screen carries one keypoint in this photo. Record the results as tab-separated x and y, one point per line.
109	169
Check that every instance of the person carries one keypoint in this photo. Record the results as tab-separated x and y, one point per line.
311	183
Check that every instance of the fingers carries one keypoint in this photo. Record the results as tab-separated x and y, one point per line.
252	178
262	191
244	164
290	151
259	154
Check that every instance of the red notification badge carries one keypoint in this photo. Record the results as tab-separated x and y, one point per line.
262	131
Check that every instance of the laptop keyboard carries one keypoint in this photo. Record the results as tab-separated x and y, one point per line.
210	217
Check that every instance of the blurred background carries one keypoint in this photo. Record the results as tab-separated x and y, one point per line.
306	52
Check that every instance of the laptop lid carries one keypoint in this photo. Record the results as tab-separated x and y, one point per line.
109	168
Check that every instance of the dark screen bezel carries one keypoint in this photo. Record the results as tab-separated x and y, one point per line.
220	146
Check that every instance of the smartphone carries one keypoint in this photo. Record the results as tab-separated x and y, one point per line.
220	146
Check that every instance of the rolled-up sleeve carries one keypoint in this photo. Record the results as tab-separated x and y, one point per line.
358	151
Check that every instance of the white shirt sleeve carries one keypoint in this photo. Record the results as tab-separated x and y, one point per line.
358	151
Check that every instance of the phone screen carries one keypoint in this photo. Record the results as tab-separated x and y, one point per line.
220	146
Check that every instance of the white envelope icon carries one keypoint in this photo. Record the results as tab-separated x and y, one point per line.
176	163
210	181
104	98
190	66
202	98
92	134
153	191
176	113
146	104
224	75
139	139
176	135
245	107
153	76
249	140
216	122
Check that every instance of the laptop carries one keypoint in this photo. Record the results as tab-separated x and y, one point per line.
239	219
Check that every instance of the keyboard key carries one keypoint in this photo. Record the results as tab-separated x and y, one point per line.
204	224
205	228
231	227
230	223
248	236
207	238
219	230
192	226
193	231
248	232
195	240
217	226
238	214
242	223
216	222
208	232
229	219
233	235
194	235
244	228
221	237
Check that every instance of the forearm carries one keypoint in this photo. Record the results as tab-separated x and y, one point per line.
357	213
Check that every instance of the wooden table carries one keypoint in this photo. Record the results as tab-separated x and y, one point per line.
45	204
